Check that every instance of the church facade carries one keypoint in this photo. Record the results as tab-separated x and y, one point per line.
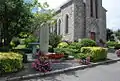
77	19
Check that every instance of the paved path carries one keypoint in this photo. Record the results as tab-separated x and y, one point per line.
112	56
109	72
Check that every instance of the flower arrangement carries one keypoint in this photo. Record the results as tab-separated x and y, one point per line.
42	63
118	52
85	61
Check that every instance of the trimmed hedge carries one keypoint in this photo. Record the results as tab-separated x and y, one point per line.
10	62
96	53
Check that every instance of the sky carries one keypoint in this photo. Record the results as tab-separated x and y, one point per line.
112	7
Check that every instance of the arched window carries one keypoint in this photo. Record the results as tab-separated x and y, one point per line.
59	26
91	8
55	27
96	8
66	24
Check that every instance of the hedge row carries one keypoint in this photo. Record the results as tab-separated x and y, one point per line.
96	53
10	62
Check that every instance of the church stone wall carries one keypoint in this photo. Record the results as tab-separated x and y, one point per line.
81	24
68	10
97	25
102	25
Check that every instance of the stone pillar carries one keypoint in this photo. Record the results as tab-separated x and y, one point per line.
94	8
44	38
79	19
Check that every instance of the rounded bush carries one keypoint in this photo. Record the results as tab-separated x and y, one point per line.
10	62
117	46
15	42
62	45
87	42
111	44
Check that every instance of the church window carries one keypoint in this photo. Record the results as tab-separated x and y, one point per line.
66	24
91	8
59	26
55	27
96	8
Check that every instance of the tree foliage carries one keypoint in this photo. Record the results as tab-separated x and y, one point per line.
15	17
117	33
42	16
110	36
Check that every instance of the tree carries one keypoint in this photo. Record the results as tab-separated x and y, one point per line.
110	35
15	17
42	18
117	33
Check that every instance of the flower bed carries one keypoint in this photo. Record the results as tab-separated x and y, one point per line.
10	62
42	62
55	56
118	52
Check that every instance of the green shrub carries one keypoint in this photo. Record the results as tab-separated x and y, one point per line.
87	42
117	46
72	49
76	46
62	45
65	51
111	44
15	42
51	49
22	53
10	62
96	53
54	39
83	56
28	40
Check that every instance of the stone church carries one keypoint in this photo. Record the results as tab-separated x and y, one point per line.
77	19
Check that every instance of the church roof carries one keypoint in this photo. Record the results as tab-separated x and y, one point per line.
64	5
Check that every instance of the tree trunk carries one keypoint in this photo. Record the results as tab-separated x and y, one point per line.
1	34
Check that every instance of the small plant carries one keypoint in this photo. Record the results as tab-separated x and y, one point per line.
84	59
118	52
42	63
